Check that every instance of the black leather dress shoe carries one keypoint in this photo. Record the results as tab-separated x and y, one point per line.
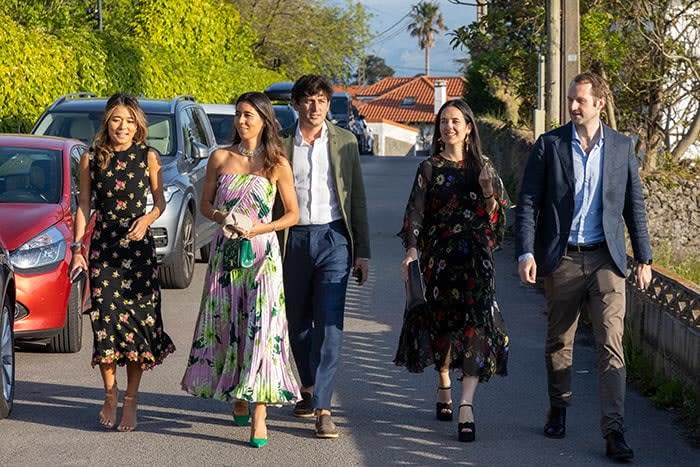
617	448
556	423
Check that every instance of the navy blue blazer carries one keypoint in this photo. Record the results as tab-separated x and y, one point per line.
546	203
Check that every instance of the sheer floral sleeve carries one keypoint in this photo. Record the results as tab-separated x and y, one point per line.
498	217
415	208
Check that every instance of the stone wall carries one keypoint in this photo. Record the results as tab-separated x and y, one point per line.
508	149
673	211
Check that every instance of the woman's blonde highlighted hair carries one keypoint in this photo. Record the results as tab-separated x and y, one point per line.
101	144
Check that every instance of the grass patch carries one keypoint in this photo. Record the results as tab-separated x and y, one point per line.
686	267
675	396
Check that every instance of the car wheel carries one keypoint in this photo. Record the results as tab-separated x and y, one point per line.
70	338
178	274
7	360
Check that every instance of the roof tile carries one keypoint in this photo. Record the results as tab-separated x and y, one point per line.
391	91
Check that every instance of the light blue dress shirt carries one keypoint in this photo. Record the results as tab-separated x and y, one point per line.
587	223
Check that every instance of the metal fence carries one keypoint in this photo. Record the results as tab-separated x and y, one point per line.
664	321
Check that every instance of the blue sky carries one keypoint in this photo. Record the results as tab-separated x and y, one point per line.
399	50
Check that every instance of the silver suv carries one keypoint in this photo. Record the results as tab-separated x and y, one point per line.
180	130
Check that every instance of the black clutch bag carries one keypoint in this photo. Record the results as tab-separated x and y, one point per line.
415	288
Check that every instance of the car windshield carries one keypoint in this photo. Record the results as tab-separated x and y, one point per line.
83	125
29	175
339	106
222	124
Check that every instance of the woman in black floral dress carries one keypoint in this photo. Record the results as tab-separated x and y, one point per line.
454	219
125	293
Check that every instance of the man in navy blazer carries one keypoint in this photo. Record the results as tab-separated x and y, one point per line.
580	188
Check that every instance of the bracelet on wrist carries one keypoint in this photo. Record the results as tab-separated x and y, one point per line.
76	246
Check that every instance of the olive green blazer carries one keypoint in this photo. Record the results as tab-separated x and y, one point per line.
350	188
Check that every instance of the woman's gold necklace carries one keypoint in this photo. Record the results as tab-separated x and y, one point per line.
249	154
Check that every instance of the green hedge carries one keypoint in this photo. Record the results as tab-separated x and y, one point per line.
151	48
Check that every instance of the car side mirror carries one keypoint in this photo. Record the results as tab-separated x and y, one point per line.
199	151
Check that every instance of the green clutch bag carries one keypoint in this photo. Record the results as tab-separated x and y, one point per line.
238	253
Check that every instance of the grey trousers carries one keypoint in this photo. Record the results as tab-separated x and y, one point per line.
587	279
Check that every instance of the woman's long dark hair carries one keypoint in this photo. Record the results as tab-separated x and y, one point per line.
270	139
101	144
473	157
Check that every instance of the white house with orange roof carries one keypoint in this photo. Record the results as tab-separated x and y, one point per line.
400	111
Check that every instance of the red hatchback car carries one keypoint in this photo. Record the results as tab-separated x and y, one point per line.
38	200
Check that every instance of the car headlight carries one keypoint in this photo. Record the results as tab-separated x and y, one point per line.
168	192
41	252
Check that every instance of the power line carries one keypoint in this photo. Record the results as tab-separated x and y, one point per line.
387	30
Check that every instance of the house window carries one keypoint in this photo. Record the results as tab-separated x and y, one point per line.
408	101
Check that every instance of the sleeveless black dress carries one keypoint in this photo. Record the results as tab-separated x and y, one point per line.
125	311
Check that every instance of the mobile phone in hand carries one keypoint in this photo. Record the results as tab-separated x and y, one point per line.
77	274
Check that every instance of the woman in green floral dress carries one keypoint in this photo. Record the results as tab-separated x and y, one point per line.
454	219
240	350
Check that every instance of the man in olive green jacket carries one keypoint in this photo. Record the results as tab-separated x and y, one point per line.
330	241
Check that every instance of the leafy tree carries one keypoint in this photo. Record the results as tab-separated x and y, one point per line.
372	69
648	51
426	22
504	47
298	37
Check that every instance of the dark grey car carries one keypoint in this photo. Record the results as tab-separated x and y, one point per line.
180	130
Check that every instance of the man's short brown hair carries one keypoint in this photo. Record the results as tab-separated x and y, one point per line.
599	87
310	85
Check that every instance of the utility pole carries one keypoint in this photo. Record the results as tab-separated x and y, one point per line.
361	78
95	13
540	114
99	10
571	65
553	65
482	9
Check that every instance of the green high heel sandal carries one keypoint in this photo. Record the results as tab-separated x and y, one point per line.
258	442
241	420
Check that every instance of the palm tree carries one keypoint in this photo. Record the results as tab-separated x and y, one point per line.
426	22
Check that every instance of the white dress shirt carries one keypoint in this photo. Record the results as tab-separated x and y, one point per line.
314	181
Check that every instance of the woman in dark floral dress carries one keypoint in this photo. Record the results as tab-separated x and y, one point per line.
125	293
454	219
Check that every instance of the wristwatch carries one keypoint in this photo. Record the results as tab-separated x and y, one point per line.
76	246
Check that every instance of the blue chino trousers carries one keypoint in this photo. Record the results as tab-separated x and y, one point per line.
316	269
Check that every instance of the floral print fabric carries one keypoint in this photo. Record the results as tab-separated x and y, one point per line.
240	348
447	221
125	292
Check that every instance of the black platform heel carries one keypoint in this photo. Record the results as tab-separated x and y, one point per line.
466	436
443	410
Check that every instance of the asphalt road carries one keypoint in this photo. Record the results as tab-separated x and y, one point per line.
385	414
